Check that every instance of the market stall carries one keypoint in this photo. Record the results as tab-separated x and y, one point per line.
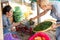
26	14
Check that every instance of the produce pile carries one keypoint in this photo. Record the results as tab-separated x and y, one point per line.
23	29
17	15
43	26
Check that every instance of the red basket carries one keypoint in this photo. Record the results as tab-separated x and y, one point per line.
40	34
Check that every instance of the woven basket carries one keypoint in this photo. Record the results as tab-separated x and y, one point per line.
47	28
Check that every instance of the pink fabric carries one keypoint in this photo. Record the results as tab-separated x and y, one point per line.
41	34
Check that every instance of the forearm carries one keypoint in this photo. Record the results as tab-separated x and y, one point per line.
41	14
57	24
15	24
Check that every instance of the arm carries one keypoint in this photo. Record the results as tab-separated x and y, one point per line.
41	14
15	24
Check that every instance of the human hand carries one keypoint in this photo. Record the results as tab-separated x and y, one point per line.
13	29
54	26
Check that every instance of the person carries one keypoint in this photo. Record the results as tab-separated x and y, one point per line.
55	13
7	12
7	26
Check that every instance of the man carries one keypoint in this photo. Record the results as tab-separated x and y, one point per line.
54	6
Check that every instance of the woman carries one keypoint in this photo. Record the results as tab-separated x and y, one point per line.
7	12
8	28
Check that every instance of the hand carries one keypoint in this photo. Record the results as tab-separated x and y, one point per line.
13	29
54	26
